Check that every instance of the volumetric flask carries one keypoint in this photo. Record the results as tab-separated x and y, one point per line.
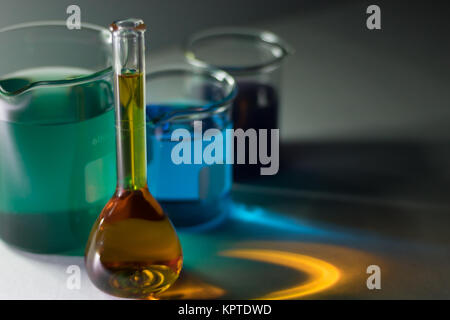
133	250
188	115
57	146
254	58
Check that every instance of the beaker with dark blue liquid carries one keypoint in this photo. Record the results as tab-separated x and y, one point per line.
191	101
254	58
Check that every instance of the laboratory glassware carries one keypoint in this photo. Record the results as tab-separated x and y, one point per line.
133	250
195	191
254	58
57	146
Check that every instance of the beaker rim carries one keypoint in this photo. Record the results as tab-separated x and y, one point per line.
60	82
196	113
251	34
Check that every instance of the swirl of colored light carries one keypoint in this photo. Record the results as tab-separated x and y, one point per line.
322	275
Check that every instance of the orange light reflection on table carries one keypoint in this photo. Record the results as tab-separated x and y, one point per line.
322	274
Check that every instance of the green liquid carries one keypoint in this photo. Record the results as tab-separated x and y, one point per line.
57	163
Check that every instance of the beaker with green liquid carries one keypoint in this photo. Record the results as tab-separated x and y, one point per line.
57	136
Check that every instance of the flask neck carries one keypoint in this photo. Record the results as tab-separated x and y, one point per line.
131	132
129	90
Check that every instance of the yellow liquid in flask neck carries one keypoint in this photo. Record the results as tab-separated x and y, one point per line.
133	250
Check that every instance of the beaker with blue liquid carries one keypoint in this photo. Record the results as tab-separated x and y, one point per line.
189	100
57	145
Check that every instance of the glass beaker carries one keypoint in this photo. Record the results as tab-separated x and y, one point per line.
254	58
194	191
57	145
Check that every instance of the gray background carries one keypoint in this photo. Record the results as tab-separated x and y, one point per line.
344	82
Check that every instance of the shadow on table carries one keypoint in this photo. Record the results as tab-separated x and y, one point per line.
395	189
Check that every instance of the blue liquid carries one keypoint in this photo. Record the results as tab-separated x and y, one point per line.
168	181
189	190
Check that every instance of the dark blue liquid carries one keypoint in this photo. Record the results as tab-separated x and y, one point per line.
256	106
